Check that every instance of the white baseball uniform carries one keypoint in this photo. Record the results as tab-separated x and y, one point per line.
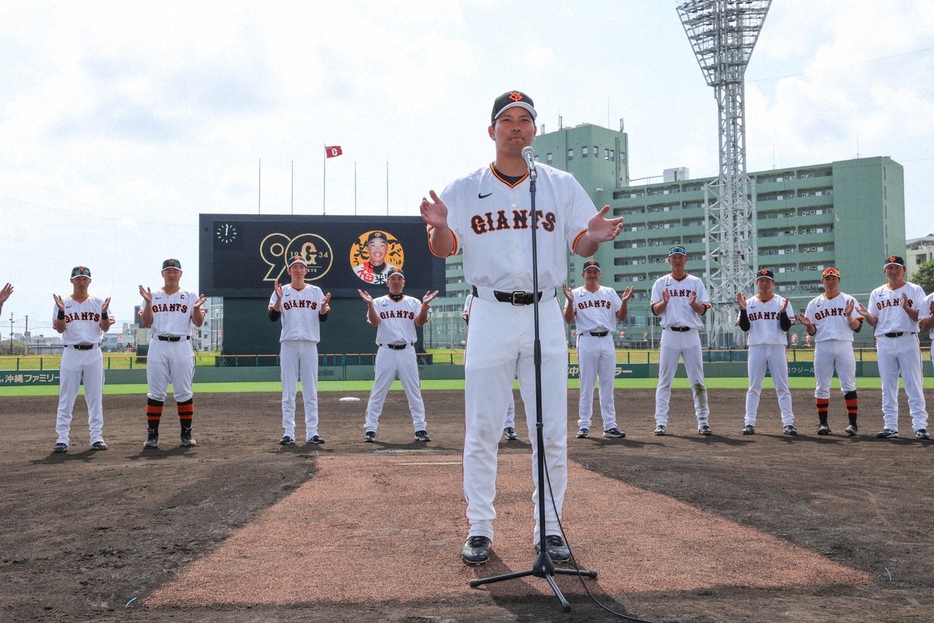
680	339
510	421
899	351
298	354
490	217
82	360
171	358
396	337
767	341
833	343
595	320
928	300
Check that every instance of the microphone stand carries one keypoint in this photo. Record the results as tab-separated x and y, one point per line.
544	566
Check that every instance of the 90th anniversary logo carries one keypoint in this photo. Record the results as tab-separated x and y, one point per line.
277	249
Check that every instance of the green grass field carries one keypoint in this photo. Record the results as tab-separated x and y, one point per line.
364	386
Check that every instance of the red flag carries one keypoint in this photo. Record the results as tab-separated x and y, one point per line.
333	151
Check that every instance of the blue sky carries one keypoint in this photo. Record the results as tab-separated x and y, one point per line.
121	122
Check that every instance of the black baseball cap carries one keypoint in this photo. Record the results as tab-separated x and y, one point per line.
80	271
511	99
894	259
765	273
171	264
591	264
377	235
394	272
297	259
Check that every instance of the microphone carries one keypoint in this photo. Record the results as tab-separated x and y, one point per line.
529	154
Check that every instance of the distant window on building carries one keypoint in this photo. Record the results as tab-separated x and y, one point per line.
606	154
570	155
596	151
612	155
550	158
584	151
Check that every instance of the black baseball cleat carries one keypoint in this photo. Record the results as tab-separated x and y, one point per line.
823	429
99	445
852	429
557	549
922	433
790	430
476	550
152	441
887	433
315	439
614	433
369	436
187	440
287	440
704	430
60	447
749	429
510	433
583	433
422	435
661	429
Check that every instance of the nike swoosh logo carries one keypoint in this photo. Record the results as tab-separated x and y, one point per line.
482	196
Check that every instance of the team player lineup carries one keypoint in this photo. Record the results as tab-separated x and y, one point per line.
898	312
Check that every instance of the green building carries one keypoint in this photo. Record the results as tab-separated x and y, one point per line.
849	214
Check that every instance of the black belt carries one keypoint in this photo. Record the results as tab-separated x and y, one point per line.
599	333
515	298
82	346
396	346
680	329
174	338
899	334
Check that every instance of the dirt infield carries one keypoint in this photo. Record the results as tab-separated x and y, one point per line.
680	528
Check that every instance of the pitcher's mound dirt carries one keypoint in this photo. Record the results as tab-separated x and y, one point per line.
387	528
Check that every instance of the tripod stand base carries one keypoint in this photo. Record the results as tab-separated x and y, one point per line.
544	567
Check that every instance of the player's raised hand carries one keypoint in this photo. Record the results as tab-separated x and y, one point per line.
146	293
803	319
59	301
602	229
784	306
105	306
429	297
365	296
5	293
568	292
433	211
199	302
277	287
627	294
848	308
326	304
741	300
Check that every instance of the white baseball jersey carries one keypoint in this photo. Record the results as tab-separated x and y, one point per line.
885	304
596	311
82	321
764	321
171	313
300	309
829	317
926	304
396	319
486	214
678	312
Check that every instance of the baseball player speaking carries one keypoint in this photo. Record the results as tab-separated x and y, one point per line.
170	312
489	213
831	319
680	299
82	320
302	308
766	317
395	317
595	309
894	310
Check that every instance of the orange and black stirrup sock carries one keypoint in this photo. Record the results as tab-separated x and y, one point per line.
153	413
186	413
823	405
852	406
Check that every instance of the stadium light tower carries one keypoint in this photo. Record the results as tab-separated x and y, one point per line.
723	34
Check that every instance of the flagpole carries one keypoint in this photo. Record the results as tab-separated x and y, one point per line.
292	205
259	189
324	186
355	188
387	188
